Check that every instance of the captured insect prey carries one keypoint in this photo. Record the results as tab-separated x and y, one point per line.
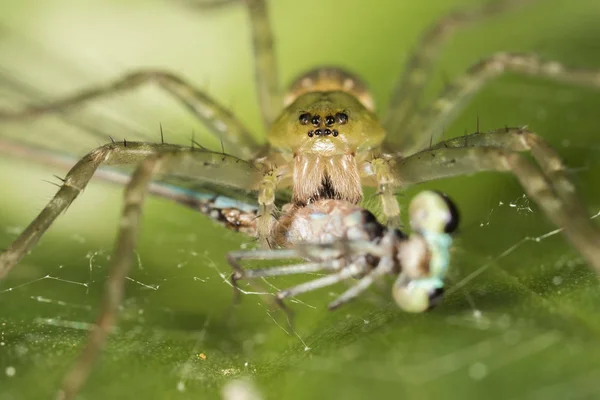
347	241
301	188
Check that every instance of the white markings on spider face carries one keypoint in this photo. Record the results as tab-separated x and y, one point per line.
323	146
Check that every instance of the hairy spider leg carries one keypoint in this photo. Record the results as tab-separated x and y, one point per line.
265	57
499	151
221	122
182	161
425	127
196	164
408	92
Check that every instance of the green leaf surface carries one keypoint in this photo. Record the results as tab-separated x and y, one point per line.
521	318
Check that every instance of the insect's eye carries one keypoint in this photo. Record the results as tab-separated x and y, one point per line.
433	212
452	224
342	118
304	118
329	120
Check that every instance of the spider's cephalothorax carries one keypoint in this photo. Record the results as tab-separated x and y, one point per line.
325	132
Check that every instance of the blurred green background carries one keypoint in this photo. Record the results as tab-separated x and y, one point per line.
526	327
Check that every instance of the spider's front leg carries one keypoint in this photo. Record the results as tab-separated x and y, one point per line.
184	162
499	150
200	166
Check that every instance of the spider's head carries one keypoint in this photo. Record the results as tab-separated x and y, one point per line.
328	112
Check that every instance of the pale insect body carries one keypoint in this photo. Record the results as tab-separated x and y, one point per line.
347	241
325	142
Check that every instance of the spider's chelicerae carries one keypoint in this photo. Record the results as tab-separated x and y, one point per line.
326	143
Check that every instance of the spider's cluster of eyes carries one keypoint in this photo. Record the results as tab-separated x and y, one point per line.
306	118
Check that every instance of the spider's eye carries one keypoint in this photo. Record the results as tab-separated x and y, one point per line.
334	133
342	118
329	120
316	120
304	118
418	295
433	212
